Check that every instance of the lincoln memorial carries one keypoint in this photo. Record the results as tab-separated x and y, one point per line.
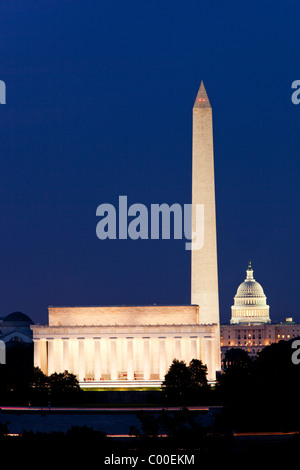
100	344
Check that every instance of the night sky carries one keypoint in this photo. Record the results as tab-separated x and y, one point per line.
99	104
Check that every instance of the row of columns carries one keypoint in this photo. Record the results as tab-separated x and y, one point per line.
45	356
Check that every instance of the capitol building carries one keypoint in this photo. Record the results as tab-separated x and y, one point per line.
250	325
250	302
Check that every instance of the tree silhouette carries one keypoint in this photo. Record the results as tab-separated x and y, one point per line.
236	357
198	373
183	383
177	379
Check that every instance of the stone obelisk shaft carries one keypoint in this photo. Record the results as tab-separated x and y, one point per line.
204	266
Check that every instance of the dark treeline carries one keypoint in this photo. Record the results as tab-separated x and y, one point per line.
22	384
261	394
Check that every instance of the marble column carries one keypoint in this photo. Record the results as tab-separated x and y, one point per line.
81	360
146	348
97	367
65	358
113	359
50	356
209	346
178	348
130	371
194	348
162	358
44	355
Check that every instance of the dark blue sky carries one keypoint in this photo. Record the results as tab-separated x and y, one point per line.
99	104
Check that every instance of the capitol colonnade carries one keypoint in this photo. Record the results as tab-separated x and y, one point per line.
134	354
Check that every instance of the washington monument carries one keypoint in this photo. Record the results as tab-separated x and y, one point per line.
204	268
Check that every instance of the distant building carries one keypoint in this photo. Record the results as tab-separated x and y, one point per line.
250	303
250	326
15	327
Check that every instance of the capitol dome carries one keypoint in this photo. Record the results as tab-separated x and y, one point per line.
250	302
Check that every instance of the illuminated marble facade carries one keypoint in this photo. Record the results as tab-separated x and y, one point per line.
122	343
